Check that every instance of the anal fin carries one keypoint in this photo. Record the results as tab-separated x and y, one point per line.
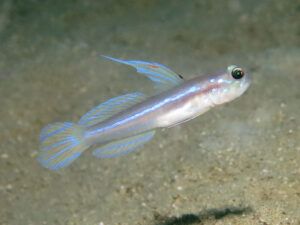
123	146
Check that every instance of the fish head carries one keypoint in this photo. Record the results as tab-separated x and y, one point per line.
228	85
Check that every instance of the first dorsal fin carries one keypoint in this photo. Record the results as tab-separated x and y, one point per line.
158	73
110	108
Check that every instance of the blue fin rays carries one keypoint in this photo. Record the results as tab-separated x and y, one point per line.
61	144
154	71
123	146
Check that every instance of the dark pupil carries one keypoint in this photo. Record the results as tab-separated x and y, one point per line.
237	73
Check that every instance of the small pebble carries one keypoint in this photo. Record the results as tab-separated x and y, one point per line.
33	154
4	156
179	188
282	105
266	171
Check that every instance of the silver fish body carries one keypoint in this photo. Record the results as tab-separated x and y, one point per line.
174	106
125	123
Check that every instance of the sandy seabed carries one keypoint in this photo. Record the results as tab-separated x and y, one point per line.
236	164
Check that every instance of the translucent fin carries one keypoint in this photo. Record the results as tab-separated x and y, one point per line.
61	144
124	146
110	108
162	75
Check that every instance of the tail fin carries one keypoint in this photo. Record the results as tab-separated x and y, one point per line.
61	144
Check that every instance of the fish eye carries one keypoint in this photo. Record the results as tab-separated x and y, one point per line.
237	73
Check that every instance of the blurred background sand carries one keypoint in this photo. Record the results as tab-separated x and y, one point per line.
236	164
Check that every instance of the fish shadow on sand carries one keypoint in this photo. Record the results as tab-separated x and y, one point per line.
187	219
